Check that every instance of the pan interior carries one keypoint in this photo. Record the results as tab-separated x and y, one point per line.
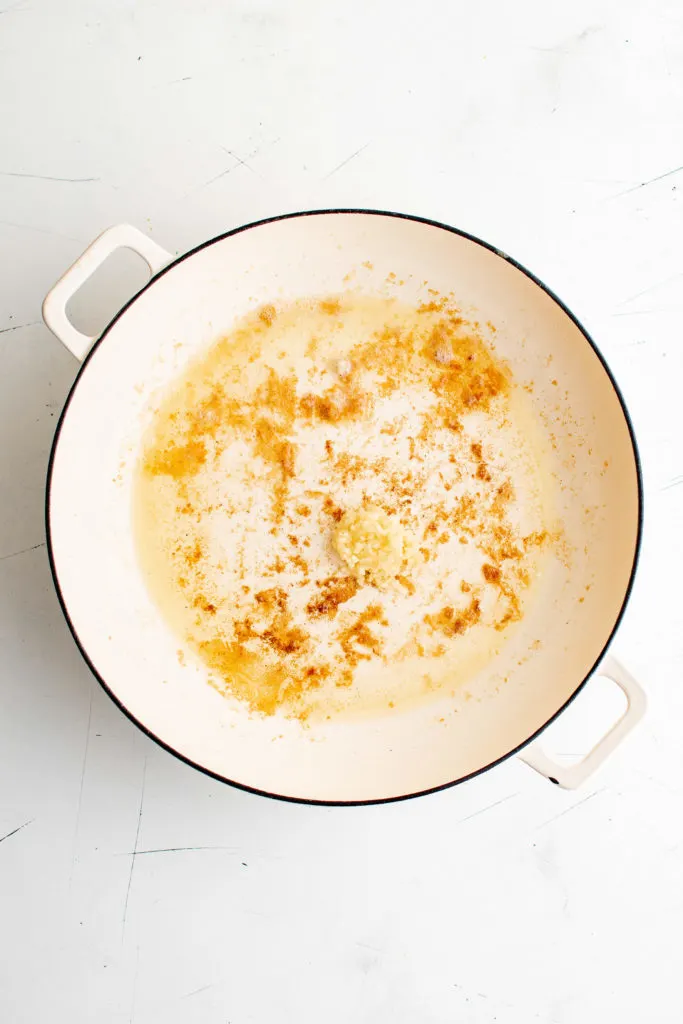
582	436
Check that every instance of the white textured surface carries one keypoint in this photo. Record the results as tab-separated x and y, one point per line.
137	890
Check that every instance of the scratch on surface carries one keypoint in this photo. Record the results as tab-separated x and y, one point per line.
41	231
196	991
366	945
181	849
239	159
650	181
238	162
15	830
648	312
19	327
572	41
651	288
80	792
44	177
228	170
345	162
135	847
14	7
490	807
573	807
15	554
676	482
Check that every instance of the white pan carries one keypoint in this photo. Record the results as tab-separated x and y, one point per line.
189	302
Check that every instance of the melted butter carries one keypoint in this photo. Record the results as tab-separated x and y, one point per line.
305	412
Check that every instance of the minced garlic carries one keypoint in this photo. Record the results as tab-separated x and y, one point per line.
373	544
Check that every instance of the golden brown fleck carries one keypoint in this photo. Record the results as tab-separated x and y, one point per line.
267	314
407	583
332	592
453	623
359	634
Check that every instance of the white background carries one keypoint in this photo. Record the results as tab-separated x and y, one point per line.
133	889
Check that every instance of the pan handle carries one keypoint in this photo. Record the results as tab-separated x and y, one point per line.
54	306
571	776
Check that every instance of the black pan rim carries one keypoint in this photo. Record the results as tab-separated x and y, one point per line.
401	796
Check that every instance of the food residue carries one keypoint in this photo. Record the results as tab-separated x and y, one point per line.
334	504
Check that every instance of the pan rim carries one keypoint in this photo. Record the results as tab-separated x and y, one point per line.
48	492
